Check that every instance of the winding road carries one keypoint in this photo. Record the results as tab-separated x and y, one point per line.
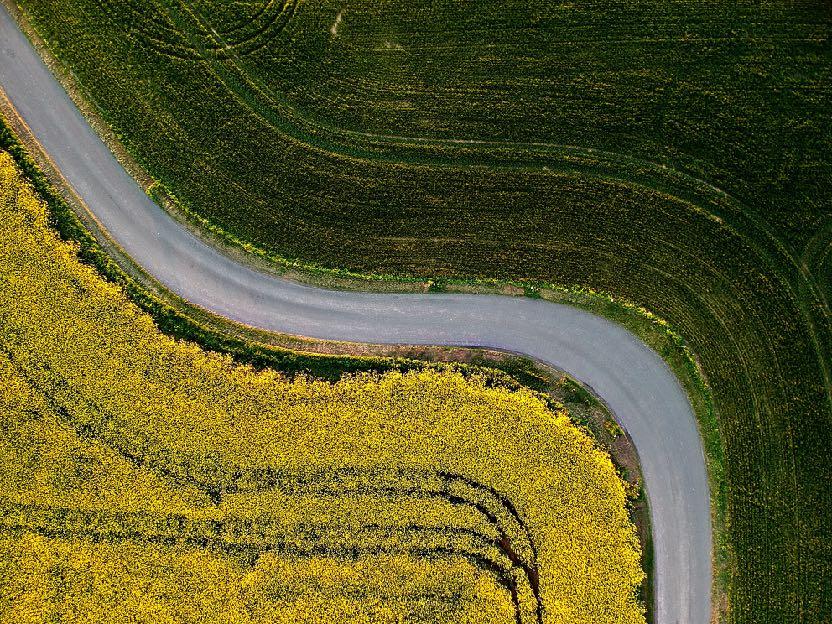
636	384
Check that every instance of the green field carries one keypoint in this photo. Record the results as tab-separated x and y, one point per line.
675	155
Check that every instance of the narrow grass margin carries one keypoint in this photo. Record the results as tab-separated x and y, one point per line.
323	359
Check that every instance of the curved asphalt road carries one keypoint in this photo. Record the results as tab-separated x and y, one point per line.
636	384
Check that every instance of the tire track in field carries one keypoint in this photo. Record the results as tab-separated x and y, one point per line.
268	479
219	537
700	195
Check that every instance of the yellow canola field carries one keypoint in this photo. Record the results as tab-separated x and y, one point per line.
145	480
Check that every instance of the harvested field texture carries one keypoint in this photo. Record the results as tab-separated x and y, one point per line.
145	480
676	155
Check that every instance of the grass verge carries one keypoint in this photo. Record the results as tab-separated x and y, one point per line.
330	360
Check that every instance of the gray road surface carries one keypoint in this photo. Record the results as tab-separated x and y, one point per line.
642	392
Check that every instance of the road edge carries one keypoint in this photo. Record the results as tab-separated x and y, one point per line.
655	332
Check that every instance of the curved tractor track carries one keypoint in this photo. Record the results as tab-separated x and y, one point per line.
633	380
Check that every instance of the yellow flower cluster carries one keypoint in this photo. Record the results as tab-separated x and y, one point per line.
129	582
143	479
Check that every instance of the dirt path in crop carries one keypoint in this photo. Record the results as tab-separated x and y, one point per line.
639	388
